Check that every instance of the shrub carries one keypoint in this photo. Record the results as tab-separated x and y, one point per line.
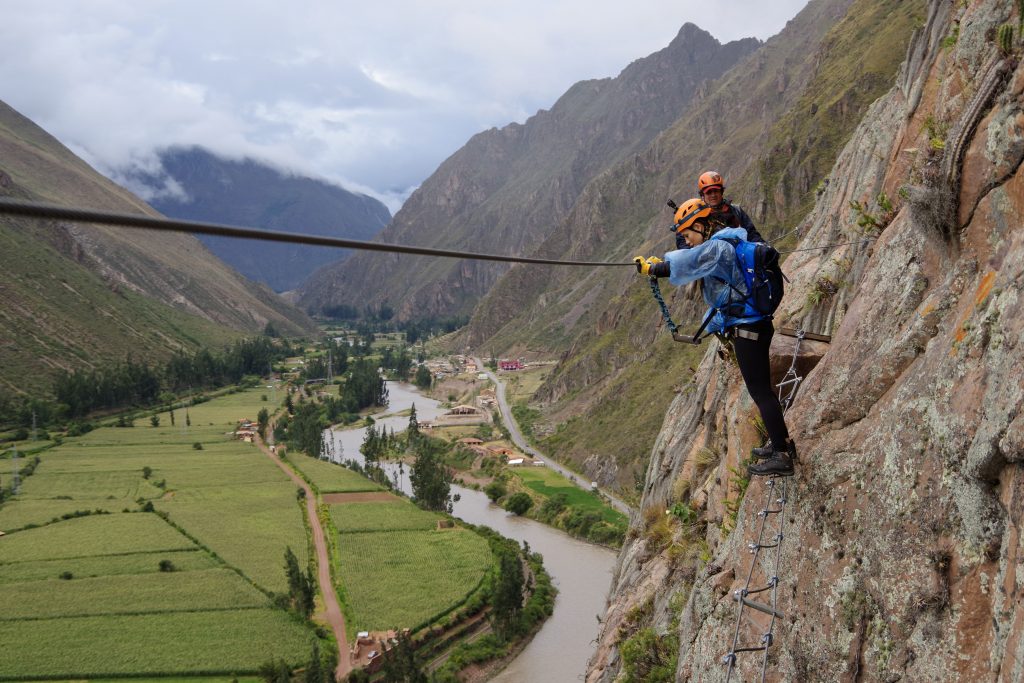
167	566
495	490
649	657
519	503
67	576
197	446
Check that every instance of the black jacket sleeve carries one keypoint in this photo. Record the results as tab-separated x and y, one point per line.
743	221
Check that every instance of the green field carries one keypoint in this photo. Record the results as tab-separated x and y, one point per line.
397	579
331	478
400	515
213	642
86	597
549	483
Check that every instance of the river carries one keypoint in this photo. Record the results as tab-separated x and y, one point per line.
581	571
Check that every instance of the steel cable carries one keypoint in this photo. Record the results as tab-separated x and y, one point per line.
54	211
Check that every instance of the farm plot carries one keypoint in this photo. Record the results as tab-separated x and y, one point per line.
549	483
331	478
248	525
397	579
212	589
382	516
105	565
114	534
150	645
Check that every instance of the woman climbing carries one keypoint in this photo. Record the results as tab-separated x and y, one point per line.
712	259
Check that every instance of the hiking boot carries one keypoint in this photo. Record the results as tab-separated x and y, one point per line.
763	452
778	464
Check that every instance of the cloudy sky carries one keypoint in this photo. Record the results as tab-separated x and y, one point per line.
371	95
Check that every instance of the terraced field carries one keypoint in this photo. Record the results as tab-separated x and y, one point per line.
407	570
132	593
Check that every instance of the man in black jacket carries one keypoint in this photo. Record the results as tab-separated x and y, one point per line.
711	187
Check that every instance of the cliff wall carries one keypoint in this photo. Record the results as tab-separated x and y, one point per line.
902	551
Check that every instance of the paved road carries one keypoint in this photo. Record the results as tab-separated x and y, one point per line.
323	566
519	440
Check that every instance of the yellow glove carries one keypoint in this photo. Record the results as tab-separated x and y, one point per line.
643	265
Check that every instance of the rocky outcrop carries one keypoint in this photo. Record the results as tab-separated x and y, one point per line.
902	548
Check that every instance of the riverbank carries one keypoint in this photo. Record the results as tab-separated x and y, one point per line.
580	571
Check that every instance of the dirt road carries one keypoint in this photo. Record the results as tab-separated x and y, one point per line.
520	441
323	565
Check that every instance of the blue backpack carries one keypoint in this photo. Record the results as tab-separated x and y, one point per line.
759	263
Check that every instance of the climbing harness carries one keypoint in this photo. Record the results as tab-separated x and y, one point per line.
127	220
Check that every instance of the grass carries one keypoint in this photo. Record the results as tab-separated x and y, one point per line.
104	565
549	483
382	516
210	589
151	644
331	478
93	536
400	578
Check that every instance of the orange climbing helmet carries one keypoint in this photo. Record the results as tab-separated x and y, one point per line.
710	179
690	211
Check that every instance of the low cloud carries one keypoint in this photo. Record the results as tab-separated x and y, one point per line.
372	96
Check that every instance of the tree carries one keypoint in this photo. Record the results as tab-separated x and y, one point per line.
412	432
423	378
507	602
155	421
263	419
301	586
401	664
519	503
495	490
431	479
275	671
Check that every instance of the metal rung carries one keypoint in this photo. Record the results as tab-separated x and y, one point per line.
769	511
761	546
761	607
772	583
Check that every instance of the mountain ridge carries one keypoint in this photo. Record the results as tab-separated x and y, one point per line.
507	188
250	193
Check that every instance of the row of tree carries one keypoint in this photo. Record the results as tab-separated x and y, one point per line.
131	383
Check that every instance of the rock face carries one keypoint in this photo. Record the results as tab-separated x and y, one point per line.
902	554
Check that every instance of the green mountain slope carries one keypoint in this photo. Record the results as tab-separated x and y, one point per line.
78	296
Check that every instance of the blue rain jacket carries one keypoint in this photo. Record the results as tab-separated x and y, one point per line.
709	261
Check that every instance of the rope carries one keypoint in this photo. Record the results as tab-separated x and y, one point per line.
792	381
656	291
42	210
829	246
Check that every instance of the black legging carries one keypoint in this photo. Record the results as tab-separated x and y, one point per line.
755	366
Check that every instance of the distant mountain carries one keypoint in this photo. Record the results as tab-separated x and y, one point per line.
77	296
508	188
253	194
